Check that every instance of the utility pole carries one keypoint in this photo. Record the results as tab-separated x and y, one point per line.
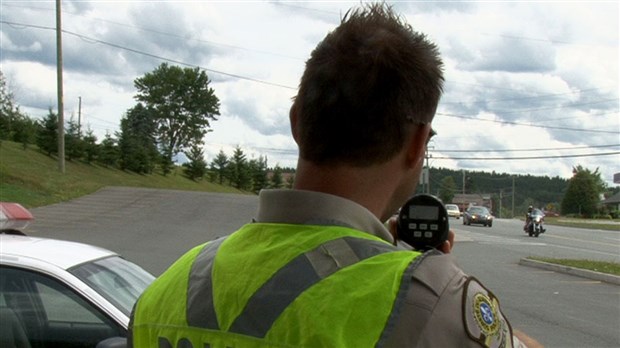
499	213
80	116
513	197
61	117
463	181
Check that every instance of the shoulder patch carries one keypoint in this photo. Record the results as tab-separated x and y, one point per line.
482	318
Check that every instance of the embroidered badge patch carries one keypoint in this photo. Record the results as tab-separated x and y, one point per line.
482	317
485	313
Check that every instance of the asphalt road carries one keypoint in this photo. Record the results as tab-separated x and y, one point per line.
149	227
560	310
154	227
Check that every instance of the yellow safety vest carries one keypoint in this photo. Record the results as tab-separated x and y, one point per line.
277	285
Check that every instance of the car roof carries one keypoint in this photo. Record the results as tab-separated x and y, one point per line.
59	253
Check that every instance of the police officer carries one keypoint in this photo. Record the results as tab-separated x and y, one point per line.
317	267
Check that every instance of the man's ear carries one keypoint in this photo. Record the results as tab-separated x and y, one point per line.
292	115
417	144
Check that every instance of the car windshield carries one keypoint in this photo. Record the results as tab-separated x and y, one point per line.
118	280
452	207
478	210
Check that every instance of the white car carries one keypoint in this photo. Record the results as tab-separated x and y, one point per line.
453	210
56	293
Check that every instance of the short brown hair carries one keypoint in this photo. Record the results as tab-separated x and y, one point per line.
363	85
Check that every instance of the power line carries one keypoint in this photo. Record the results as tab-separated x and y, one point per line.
526	158
543	96
93	40
539	149
527	124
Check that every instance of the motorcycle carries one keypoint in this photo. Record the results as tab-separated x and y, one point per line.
534	226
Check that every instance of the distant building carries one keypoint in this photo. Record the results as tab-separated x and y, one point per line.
467	200
613	202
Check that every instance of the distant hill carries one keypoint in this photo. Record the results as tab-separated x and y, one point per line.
539	191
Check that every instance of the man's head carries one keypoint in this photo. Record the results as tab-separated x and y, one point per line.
365	88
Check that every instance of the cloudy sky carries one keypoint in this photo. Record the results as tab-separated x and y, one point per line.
532	87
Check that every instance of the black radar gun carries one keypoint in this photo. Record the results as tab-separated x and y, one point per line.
423	222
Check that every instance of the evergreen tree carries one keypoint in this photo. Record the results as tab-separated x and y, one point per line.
219	167
14	124
136	142
90	147
108	152
258	170
47	134
8	110
25	130
239	173
276	178
74	148
197	166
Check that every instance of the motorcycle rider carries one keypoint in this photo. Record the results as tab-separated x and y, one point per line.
528	220
528	217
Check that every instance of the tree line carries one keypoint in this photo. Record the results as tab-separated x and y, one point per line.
577	196
172	116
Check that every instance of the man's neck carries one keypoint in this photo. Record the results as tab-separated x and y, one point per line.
371	187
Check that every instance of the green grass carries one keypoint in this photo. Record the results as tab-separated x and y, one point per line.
598	266
33	179
609	225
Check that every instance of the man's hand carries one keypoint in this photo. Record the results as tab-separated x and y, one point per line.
446	247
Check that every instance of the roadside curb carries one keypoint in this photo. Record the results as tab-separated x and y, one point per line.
603	277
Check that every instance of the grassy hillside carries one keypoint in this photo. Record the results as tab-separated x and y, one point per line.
33	179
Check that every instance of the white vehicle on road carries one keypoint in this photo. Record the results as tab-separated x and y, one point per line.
453	210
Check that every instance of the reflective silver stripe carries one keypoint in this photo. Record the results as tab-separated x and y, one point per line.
307	269
325	264
200	310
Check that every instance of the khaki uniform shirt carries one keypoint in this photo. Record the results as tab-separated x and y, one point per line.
444	306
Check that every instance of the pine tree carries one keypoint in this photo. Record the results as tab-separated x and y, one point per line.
276	178
90	147
239	173
108	152
47	134
219	167
136	142
74	147
258	172
197	166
